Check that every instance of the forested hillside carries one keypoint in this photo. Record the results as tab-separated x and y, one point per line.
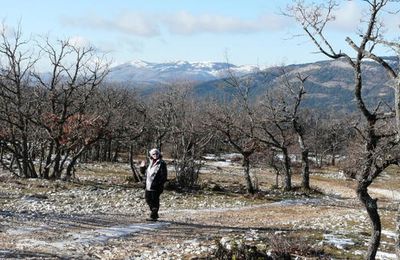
329	83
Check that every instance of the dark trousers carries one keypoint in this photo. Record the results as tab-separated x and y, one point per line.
153	200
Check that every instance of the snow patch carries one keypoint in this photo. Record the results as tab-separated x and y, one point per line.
292	202
220	164
94	236
140	64
338	241
340	64
23	231
385	256
391	194
389	234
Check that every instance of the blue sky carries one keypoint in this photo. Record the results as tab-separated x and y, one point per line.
243	32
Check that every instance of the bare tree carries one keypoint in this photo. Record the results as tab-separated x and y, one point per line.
16	103
127	117
295	92
236	121
75	73
180	117
380	142
162	109
274	130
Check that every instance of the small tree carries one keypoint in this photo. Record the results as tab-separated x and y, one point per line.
275	131
17	102
75	74
295	94
236	121
127	124
187	133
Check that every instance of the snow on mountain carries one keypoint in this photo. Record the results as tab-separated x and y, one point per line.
143	71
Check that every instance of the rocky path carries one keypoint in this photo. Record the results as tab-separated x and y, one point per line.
182	234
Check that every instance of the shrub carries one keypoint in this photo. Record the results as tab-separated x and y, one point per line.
277	247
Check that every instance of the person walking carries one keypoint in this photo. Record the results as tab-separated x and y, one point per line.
156	175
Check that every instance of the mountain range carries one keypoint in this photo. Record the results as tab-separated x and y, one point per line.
329	83
169	72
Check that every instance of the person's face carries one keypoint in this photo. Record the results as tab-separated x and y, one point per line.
154	155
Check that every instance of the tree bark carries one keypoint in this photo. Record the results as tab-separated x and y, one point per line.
305	183
372	210
246	165
288	178
333	160
135	174
57	161
116	153
397	105
305	170
46	170
27	159
71	166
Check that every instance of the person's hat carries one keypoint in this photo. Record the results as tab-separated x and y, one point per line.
154	151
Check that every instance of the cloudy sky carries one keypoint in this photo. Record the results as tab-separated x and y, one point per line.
243	32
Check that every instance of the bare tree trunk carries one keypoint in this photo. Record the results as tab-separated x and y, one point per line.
46	170
116	153
1	152
104	151
42	156
306	170
288	178
277	173
333	160
372	210
397	106
97	153
305	183
71	166
57	161
25	158
109	150
11	167
159	143
246	165
319	158
135	173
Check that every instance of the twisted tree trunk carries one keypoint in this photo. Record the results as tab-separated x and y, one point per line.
372	209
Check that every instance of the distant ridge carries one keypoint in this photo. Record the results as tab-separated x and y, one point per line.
143	71
329	84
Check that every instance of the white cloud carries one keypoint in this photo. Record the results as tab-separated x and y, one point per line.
348	16
352	16
126	22
391	21
137	23
187	23
184	23
79	41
